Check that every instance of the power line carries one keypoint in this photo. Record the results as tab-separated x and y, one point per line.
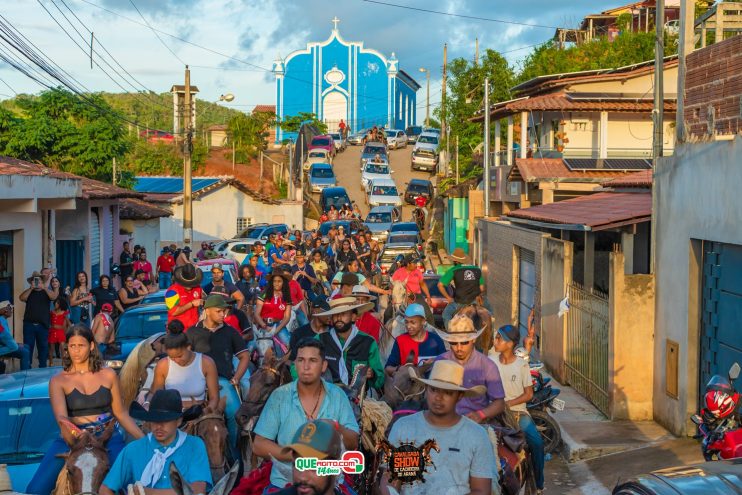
9	86
155	33
462	16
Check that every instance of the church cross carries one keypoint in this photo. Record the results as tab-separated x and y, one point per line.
335	21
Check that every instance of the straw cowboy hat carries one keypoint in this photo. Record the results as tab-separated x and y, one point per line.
188	276
459	256
448	375
460	329
343	304
362	291
34	275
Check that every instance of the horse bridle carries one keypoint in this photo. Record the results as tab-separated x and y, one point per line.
194	423
408	397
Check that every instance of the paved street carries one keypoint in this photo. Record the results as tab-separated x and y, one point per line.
348	171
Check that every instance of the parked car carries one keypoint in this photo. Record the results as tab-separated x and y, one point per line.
319	155
418	187
373	170
340	143
404	227
379	221
371	150
356	139
395	139
237	250
134	325
383	192
229	266
321	176
413	132
389	253
333	196
439	300
261	231
432	130
722	477
154	297
324	142
425	153
352	225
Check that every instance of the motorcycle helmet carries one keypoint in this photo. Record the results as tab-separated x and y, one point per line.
719	404
115	269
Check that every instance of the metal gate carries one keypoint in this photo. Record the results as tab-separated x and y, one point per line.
70	260
94	245
721	344
526	287
587	344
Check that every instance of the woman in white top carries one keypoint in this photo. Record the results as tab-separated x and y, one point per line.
190	373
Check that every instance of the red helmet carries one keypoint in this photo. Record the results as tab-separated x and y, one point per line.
719	404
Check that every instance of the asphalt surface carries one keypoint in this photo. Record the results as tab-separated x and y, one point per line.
348	172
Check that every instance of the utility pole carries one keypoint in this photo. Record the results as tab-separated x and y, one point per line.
476	51
685	47
457	159
233	154
114	171
444	119
486	146
658	114
187	203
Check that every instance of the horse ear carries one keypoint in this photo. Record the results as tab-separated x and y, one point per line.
107	433
410	358
412	372
227	482
180	486
269	359
424	368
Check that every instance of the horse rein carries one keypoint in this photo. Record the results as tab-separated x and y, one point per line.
408	397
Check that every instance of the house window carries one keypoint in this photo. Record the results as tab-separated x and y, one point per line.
243	223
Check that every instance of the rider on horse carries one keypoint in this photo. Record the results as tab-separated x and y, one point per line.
414	281
467	282
424	345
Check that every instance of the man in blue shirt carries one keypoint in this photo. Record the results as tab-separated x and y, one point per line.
275	254
8	346
147	460
291	405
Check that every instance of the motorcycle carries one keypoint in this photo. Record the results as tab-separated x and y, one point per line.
418	216
544	400
718	423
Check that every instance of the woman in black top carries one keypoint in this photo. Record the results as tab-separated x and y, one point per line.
344	255
128	295
37	316
105	293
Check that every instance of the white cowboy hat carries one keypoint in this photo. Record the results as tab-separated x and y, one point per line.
448	375
460	329
362	291
343	304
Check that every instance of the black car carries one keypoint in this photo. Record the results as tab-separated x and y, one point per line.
353	226
700	479
413	132
336	196
418	187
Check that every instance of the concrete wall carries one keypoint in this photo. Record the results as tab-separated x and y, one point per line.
636	85
145	233
556	274
630	343
709	171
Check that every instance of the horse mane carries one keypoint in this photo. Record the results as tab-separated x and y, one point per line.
134	368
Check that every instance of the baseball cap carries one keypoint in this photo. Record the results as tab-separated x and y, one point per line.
5	304
320	302
414	310
317	438
217	266
509	333
215	301
104	307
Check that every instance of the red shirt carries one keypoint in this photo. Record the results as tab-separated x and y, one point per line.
420	201
411	279
297	295
145	266
369	325
166	263
177	296
273	308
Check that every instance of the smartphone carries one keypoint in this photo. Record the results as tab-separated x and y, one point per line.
36	281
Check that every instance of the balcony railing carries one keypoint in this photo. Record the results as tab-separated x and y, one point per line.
579	153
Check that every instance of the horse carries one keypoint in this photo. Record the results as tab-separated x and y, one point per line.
394	317
181	487
481	317
272	374
210	427
6	488
134	373
86	464
267	338
402	386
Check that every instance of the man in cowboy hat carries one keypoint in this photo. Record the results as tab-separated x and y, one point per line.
466	280
185	296
368	322
317	324
478	370
347	347
319	439
36	317
147	460
466	460
222	343
225	288
309	397
353	266
420	340
413	279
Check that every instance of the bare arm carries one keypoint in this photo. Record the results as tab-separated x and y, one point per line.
59	407
185	307
442	290
118	305
244	358
238	297
286	318
522	398
158	381
376	289
121	413
125	297
196	487
24	295
259	319
212	381
480	486
53	293
266	448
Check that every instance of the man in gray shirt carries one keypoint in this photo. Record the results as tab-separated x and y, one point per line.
466	461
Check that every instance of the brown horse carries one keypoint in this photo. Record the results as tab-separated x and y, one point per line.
481	317
402	386
210	427
221	487
86	464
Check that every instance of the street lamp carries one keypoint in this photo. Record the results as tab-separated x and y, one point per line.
427	107
228	97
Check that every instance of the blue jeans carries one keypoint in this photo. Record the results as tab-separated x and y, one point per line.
535	445
76	316
233	404
449	312
46	475
165	279
301	318
36	334
283	335
21	353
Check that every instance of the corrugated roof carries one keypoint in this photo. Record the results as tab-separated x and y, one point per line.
136	209
171	185
554	170
641	179
597	211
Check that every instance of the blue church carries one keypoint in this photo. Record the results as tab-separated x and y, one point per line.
337	79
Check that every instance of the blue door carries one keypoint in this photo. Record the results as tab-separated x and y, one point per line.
721	337
70	260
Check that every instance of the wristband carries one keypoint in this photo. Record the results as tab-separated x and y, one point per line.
481	414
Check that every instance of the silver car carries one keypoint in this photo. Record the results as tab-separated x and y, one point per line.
379	221
396	139
321	176
425	153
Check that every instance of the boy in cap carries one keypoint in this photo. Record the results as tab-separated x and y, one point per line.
424	345
145	463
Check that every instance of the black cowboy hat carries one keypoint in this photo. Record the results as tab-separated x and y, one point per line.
188	275
166	405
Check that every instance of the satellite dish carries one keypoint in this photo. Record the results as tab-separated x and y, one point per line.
227	97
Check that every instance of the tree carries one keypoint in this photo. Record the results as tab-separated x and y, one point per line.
249	133
293	123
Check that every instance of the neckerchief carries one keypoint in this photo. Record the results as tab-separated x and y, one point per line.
153	470
342	366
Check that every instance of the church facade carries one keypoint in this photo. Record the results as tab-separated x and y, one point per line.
341	80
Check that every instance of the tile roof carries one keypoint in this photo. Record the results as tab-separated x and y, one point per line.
264	108
563	102
170	189
136	209
597	211
641	179
554	170
91	188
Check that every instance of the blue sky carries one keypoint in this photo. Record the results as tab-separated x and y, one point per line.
256	31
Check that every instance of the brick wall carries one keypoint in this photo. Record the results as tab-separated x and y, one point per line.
500	243
714	79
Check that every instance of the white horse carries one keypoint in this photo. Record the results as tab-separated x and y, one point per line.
395	326
267	338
